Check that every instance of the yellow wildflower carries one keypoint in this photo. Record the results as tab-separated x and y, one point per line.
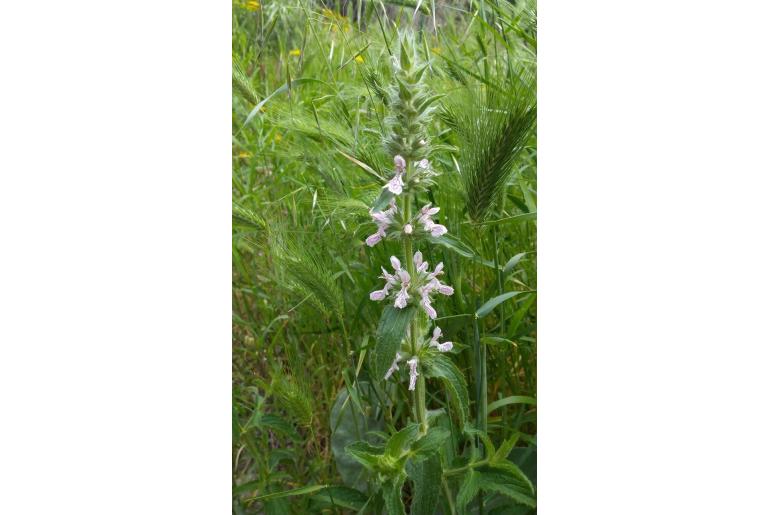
359	59
252	5
295	52
277	138
436	50
244	154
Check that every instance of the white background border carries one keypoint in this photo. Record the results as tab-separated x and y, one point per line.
653	257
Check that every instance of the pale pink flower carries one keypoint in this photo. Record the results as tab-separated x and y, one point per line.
378	295
396	184
427	222
441	347
408	229
402	297
426	305
383	219
375	238
394	367
437	230
413	372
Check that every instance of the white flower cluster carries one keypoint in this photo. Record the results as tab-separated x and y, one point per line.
404	287
388	219
414	361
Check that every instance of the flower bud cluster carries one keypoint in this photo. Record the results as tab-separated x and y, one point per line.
411	105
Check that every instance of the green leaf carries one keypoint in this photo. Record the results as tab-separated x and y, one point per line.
488	445
513	262
349	425
289	493
496	340
492	303
508	484
524	217
513	471
441	367
285	87
468	489
400	442
462	249
341	496
520	313
513	399
365	167
505	449
405	63
431	442
242	84
391	492
390	332
247	218
365	453
426	476
382	200
427	102
276	423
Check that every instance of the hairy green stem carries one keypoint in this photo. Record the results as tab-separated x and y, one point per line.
460	470
419	394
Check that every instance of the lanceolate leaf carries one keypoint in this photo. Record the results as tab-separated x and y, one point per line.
391	331
399	442
431	442
288	493
391	490
441	367
521	312
504	450
513	262
503	482
365	453
494	302
426	476
341	496
513	399
468	489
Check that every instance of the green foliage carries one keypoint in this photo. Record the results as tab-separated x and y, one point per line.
493	127
426	477
348	425
439	366
309	274
390	332
319	109
509	484
295	399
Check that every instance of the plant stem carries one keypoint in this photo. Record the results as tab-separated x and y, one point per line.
460	470
420	408
448	495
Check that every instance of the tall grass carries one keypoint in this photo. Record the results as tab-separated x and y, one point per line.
310	111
